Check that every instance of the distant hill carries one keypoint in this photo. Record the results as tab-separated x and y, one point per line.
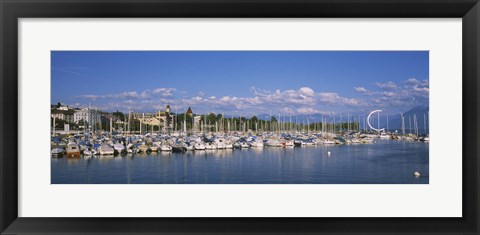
421	112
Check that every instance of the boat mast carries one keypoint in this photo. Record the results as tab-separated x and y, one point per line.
348	122
409	125
365	123
185	122
340	121
129	113
88	118
387	123
53	130
290	123
424	124
308	125
143	117
335	123
378	120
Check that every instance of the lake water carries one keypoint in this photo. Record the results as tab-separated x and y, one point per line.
383	162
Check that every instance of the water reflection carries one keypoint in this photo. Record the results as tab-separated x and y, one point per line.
382	162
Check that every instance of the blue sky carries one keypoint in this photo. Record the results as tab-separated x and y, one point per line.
242	82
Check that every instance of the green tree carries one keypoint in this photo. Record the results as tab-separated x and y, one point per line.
59	123
253	122
211	118
119	115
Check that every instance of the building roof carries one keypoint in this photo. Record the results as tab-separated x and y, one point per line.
55	111
65	112
189	111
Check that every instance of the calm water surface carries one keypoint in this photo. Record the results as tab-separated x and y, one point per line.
384	162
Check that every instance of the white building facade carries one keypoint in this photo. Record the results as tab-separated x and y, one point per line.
92	116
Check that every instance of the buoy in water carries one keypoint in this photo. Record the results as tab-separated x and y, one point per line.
417	174
328	153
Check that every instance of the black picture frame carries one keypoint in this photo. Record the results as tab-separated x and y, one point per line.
12	10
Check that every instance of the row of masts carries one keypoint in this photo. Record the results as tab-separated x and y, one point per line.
243	124
282	124
415	124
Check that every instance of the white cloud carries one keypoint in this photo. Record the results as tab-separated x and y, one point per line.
336	99
413	92
164	91
307	91
128	94
361	89
411	81
90	97
387	85
304	95
307	110
388	94
303	100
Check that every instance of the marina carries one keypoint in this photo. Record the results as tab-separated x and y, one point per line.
240	117
240	150
251	157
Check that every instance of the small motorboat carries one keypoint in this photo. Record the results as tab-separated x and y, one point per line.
57	152
210	146
273	143
143	148
356	141
88	152
199	146
178	149
106	149
166	148
328	142
258	143
188	146
154	148
244	145
288	143
220	144
119	148
73	150
367	140
228	145
384	136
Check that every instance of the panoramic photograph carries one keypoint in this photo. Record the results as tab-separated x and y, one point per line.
239	117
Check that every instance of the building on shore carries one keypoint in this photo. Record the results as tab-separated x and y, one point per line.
162	119
189	112
89	115
196	123
62	112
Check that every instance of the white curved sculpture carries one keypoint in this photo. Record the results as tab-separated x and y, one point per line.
368	121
